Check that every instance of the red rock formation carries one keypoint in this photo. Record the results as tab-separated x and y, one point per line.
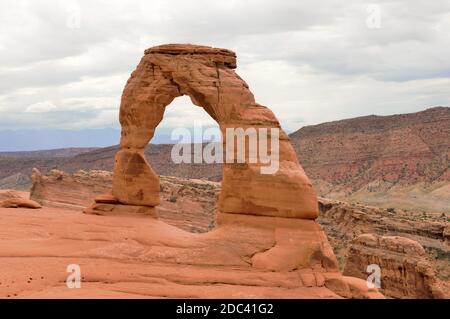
15	199
266	221
405	148
19	202
186	204
249	255
10	193
139	256
343	222
405	270
206	75
60	189
351	220
190	205
398	161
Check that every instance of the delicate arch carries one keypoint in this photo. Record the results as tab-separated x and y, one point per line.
207	76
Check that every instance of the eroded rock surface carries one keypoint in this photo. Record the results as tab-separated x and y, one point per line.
191	206
15	199
265	221
405	269
284	197
343	222
187	204
19	202
207	76
61	189
140	256
11	193
245	255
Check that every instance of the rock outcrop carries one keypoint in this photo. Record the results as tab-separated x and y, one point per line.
343	222
14	199
11	193
405	269
19	202
190	205
61	189
207	76
265	221
248	255
356	219
139	256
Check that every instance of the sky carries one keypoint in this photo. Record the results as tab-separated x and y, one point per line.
64	63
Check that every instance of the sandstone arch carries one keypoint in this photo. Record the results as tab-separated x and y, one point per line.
207	76
265	227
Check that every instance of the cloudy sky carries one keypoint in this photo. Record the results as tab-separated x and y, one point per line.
63	63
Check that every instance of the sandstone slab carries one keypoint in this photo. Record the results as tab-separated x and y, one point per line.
19	202
125	256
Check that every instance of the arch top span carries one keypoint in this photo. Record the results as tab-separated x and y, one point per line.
208	77
215	55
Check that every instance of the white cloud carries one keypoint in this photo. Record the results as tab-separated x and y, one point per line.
41	107
308	61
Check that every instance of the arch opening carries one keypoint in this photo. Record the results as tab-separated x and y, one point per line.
181	113
188	190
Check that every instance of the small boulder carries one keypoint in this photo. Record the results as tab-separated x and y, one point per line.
20	202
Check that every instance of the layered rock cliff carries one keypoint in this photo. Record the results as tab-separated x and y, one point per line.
404	269
390	161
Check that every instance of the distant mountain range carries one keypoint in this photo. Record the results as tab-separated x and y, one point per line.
45	139
59	139
58	153
389	161
404	148
399	160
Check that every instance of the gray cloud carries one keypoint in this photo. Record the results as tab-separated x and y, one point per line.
309	61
